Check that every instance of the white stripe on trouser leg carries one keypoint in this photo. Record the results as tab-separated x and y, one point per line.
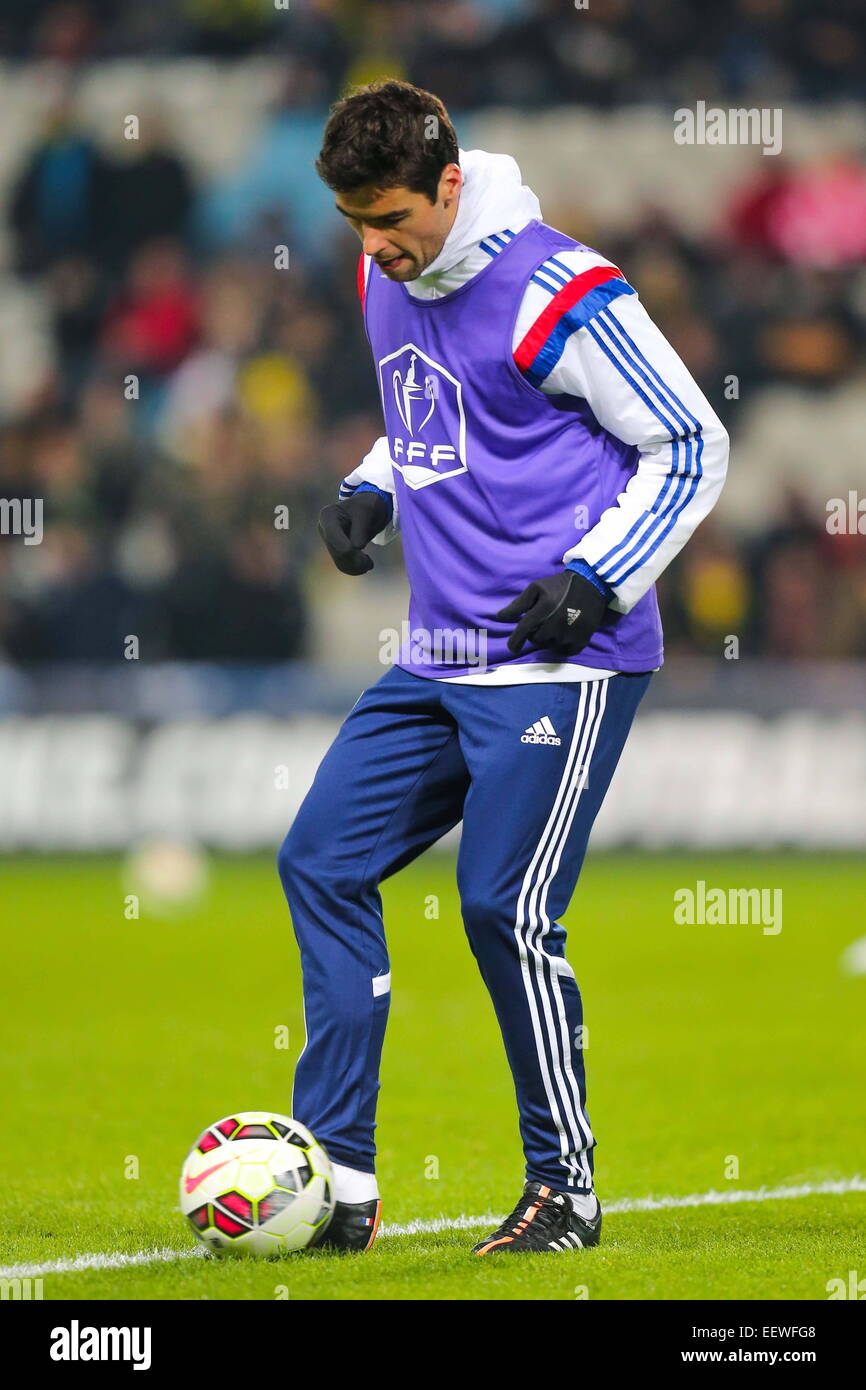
538	910
565	1144
547	968
560	841
564	1071
303	1050
554	1088
573	1133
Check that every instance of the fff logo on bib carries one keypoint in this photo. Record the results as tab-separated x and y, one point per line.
424	415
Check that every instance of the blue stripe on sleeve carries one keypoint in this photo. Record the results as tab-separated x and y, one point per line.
666	509
578	316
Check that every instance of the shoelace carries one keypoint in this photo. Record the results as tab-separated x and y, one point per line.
548	1215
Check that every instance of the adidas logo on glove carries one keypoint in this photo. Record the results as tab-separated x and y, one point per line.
542	731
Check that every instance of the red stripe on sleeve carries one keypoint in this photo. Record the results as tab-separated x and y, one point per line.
562	301
362	283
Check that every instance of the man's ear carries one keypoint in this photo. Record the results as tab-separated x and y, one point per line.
450	183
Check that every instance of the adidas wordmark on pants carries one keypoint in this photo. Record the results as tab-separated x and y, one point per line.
542	731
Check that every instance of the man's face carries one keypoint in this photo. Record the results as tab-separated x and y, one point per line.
402	231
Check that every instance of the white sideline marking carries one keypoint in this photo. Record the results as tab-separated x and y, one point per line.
117	1261
697	1199
438	1224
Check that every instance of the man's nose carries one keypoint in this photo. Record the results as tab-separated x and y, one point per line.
374	242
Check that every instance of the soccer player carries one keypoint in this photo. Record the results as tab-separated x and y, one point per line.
546	454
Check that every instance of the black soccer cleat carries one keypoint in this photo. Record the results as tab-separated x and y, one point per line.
542	1220
353	1226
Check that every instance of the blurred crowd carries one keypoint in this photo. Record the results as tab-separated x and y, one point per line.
481	52
198	414
202	402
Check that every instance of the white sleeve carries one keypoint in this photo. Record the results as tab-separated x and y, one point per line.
376	468
640	391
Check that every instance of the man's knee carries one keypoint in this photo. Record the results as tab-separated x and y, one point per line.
300	855
480	903
312	863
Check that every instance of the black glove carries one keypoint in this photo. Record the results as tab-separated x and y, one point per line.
560	612
346	527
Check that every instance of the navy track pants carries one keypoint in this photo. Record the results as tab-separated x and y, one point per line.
526	768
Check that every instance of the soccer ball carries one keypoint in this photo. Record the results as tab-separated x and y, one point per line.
257	1183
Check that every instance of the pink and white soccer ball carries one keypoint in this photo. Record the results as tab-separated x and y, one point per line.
256	1183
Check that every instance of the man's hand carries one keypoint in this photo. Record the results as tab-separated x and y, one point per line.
346	527
560	612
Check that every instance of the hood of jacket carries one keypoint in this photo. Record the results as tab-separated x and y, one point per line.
492	198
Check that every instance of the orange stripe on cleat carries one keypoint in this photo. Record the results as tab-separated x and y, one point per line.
503	1240
375	1227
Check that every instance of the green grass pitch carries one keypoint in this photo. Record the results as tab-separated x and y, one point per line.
707	1044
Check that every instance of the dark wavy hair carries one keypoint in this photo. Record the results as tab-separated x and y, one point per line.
387	135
